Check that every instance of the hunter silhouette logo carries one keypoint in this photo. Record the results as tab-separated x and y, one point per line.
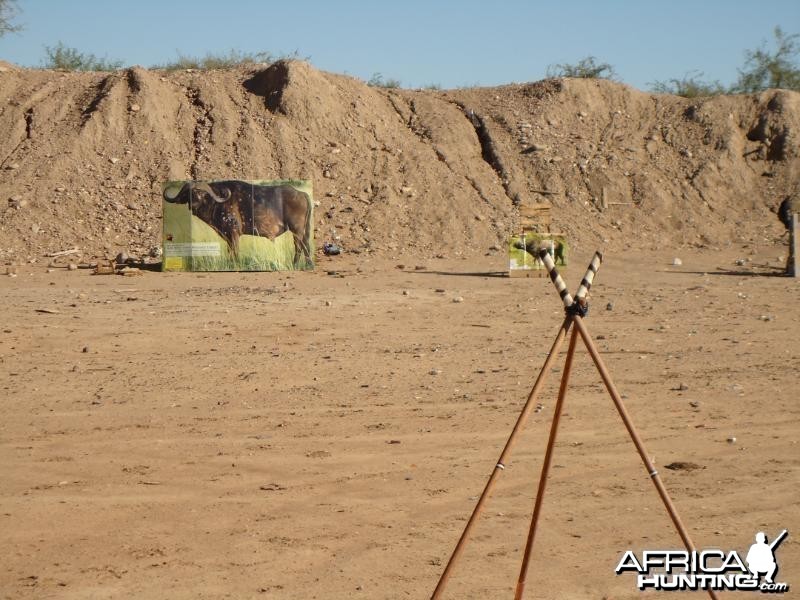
708	569
761	557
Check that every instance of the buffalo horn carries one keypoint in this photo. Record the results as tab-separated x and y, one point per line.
226	193
172	192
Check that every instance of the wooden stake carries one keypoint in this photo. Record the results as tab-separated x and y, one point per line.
573	317
548	455
504	456
583	290
626	419
63	252
793	246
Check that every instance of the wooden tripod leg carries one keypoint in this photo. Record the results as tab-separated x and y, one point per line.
504	456
612	390
548	455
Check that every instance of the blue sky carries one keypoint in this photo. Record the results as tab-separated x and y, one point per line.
418	42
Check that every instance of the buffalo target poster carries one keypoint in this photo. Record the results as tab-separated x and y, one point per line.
234	225
523	252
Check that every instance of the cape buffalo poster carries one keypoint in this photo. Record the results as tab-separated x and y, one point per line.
233	225
523	252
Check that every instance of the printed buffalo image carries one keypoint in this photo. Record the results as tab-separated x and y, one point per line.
236	208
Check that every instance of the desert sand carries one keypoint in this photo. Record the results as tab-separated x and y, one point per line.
315	435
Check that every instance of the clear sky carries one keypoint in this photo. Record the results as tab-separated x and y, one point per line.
449	43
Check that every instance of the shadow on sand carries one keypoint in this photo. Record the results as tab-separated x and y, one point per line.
144	266
463	274
774	272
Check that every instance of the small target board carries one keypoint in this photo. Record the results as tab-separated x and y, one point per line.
523	251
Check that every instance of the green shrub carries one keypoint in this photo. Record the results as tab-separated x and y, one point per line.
8	10
777	69
586	68
690	86
377	80
232	59
70	59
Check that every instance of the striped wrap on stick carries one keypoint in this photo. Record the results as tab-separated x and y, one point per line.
566	298
586	282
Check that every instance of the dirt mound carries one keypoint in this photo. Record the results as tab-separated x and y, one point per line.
394	171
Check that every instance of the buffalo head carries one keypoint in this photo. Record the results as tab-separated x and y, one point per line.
212	203
199	193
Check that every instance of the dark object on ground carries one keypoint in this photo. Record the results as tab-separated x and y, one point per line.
788	207
683	466
331	249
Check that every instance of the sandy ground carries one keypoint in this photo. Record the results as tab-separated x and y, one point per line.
307	435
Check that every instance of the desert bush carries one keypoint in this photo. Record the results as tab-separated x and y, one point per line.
766	69
690	86
8	10
65	58
226	60
377	80
587	68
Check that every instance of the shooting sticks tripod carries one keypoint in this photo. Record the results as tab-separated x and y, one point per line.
575	311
